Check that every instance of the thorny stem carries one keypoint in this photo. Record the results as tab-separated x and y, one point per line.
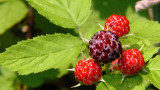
151	15
30	23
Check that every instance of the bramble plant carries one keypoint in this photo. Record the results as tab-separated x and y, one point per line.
56	37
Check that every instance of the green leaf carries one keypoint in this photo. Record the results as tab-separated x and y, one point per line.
6	84
113	82
7	79
154	71
2	0
12	12
146	33
65	13
42	53
102	86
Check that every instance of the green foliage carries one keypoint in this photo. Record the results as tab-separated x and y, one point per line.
102	9
142	32
42	53
113	82
66	13
142	35
46	58
7	79
102	86
154	71
12	12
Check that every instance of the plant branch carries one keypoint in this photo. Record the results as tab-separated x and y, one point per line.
151	13
30	23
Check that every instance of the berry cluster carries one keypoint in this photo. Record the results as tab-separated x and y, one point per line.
105	47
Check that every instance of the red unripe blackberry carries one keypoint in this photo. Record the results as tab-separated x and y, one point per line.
88	71
131	61
117	24
105	46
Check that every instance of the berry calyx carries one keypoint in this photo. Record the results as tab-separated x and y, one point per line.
104	46
117	24
131	62
88	71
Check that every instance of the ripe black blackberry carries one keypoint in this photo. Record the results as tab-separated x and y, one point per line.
105	46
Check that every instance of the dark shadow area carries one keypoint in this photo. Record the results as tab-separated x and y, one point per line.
151	87
7	39
36	80
65	83
48	27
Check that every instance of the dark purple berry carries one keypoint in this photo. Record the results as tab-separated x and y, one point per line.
105	46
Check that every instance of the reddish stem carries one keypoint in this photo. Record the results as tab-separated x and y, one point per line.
30	23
